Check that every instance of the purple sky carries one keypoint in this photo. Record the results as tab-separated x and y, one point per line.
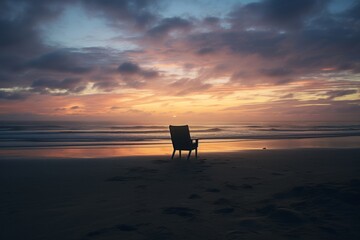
143	61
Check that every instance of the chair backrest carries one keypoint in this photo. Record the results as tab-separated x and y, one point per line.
180	136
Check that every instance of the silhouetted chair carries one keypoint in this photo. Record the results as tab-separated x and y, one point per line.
181	140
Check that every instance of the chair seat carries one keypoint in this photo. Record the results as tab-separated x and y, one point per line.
192	146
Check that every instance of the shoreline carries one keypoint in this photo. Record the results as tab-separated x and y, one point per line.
165	148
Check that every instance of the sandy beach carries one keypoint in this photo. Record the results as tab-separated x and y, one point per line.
259	194
96	97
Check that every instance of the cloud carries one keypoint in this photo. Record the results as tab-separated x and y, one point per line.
278	46
62	61
20	20
276	72
132	69
115	108
169	25
70	85
288	47
286	96
129	68
13	95
212	21
136	13
339	93
276	13
291	13
188	86
135	76
107	86
206	50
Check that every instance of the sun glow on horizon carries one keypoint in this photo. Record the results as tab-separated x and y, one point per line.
148	61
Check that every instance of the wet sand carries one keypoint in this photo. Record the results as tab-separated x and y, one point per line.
259	194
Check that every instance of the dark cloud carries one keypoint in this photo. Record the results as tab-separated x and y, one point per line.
70	85
136	13
205	50
11	63
212	20
62	61
150	74
20	36
107	86
20	20
291	13
167	25
289	38
353	13
13	95
21	42
266	44
339	93
275	72
130	69
277	13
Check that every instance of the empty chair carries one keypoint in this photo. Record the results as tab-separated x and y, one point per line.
181	140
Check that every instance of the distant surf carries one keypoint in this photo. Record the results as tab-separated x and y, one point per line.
57	134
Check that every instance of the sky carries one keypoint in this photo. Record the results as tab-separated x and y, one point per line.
189	61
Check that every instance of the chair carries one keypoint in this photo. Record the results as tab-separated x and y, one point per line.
181	140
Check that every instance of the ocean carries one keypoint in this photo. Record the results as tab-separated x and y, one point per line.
41	134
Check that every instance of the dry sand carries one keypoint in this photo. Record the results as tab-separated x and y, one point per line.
267	194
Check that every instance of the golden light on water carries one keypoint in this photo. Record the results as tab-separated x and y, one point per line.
165	149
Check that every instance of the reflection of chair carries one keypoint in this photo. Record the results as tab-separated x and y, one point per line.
181	140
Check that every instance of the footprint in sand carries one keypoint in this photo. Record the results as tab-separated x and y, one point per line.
160	161
194	196
141	186
213	190
235	235
277	174
121	227
224	211
235	187
232	186
97	232
142	170
135	173
126	227
246	186
121	179
222	201
159	233
181	212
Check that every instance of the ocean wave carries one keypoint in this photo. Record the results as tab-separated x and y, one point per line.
13	134
207	130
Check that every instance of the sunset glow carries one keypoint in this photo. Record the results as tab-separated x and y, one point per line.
160	62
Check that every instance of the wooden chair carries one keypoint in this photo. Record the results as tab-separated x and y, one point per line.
181	140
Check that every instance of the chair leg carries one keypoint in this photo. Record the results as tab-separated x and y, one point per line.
180	153
173	154
196	153
189	155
